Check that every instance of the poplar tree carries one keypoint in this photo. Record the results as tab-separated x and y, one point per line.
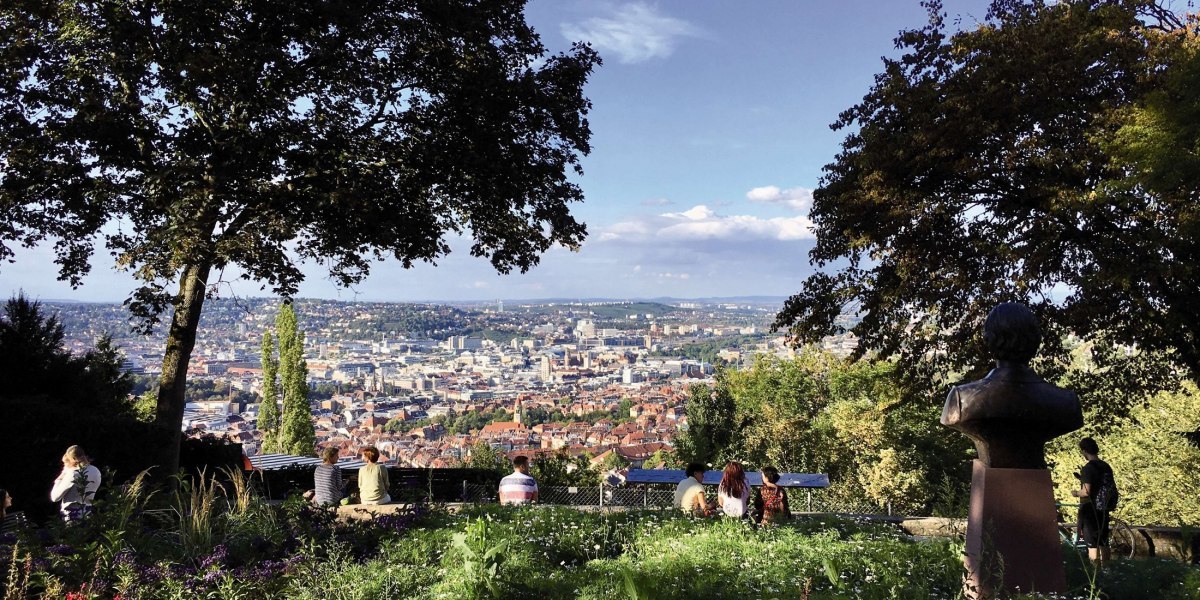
296	435
268	411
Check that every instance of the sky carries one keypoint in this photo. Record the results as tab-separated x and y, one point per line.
710	129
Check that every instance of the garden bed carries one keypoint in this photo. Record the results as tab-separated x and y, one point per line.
208	547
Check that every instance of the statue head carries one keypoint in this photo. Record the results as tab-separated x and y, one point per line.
1011	332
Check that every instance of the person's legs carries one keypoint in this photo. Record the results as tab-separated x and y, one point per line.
1090	533
1105	531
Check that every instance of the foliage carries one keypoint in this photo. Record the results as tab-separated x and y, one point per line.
821	414
279	134
482	556
268	407
711	427
295	550
562	469
296	434
1152	461
483	456
52	399
708	350
1034	158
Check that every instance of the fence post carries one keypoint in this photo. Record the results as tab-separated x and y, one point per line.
889	508
602	494
645	496
464	494
809	494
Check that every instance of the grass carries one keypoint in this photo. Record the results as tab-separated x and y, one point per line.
251	550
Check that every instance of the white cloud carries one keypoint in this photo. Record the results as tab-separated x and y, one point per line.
798	198
634	32
701	223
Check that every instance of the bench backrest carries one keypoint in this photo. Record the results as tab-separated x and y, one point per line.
791	480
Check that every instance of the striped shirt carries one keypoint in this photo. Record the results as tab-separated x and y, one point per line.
327	486
11	522
518	488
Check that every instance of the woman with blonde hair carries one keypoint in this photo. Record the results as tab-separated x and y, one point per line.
373	479
75	487
733	494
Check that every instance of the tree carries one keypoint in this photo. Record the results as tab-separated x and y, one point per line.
1152	462
296	433
710	424
85	397
268	408
192	138
483	456
999	164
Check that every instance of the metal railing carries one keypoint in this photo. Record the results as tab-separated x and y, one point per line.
650	496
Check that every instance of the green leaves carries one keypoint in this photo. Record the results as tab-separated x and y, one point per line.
482	557
190	137
1032	159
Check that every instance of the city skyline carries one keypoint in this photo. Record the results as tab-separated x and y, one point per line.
710	129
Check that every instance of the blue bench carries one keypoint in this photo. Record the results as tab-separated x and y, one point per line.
674	476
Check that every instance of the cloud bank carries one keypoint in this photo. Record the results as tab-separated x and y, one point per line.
634	33
798	198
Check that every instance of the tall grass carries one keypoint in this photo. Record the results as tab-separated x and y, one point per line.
195	509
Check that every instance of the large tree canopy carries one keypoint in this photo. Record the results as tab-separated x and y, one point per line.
190	137
1009	161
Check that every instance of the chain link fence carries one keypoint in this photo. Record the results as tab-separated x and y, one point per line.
652	496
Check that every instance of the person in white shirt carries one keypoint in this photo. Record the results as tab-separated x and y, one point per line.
519	487
76	485
689	494
733	495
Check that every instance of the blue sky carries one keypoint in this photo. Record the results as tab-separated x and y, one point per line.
710	129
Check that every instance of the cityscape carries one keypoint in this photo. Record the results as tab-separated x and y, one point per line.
425	383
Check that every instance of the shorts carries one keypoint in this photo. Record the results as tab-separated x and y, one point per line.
1093	526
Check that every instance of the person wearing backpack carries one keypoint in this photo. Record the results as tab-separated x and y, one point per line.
1097	495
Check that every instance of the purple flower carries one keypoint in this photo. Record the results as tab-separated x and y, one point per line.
61	550
218	558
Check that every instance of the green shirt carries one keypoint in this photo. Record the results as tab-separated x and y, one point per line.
372	483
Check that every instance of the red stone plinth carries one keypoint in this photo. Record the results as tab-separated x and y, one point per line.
1012	533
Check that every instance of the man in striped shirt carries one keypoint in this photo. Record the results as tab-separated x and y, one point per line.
519	487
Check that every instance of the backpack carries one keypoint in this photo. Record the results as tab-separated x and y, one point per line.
1106	498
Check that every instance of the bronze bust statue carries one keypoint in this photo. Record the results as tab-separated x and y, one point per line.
1012	413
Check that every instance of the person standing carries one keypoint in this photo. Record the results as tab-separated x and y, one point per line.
8	522
733	494
327	479
75	487
373	481
771	503
689	494
519	487
1097	497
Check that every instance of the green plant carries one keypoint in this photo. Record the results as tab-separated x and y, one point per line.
195	509
635	585
482	558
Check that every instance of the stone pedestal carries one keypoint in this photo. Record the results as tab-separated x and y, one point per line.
1012	533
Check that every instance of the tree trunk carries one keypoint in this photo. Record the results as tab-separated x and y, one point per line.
181	338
